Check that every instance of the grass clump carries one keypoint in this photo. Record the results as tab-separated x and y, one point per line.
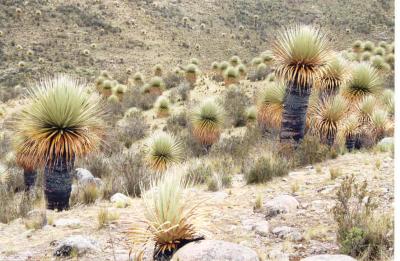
104	217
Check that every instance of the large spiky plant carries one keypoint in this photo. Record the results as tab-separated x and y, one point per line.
301	54
163	150
335	75
60	122
364	80
270	105
207	120
171	217
325	117
349	129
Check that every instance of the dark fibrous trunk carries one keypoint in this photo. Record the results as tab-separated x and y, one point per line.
58	182
350	143
294	113
29	178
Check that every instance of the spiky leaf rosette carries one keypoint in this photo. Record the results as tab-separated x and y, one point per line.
256	61
365	108
163	150
270	105
379	123
207	120
60	121
223	65
326	115
387	100
194	61
349	127
301	54
335	75
162	105
251	114
364	80
171	215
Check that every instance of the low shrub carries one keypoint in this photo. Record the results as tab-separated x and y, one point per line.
176	123
265	168
310	151
235	104
361	231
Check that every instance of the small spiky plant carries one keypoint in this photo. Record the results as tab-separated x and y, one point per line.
158	71
357	46
194	61
223	66
21	64
235	60
107	87
379	63
365	108
369	46
86	52
333	77
349	130
155	86
379	51
383	44
261	71
215	66
242	71
364	80
163	150
138	79
207	120
171	217
301	54
270	105
191	73
113	99
251	115
60	123
119	91
389	58
267	57
271	77
325	117
387	100
379	123
185	21
256	61
366	56
231	76
162	105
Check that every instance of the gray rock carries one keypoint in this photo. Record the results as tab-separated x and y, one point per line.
38	216
388	141
85	177
277	255
67	222
77	243
290	233
262	228
280	205
119	197
329	258
207	250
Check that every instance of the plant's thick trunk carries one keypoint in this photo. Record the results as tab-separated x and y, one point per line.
350	143
29	178
294	113
330	139
58	182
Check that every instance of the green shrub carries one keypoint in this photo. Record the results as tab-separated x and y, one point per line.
199	172
311	151
361	231
265	168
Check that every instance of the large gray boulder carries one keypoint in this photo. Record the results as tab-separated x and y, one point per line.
213	250
85	177
329	258
280	205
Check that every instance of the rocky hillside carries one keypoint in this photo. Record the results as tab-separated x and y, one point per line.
83	37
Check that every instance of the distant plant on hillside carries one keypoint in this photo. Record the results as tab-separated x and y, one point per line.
231	76
192	72
357	46
162	106
158	70
235	60
138	79
155	86
369	46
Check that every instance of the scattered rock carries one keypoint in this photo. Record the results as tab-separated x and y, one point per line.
78	244
285	232
277	255
215	250
262	228
120	199
329	258
388	141
67	222
36	218
280	205
85	177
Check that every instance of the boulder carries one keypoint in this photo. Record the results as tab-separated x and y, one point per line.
262	228
329	258
120	199
280	205
85	177
67	222
290	233
78	244
208	250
